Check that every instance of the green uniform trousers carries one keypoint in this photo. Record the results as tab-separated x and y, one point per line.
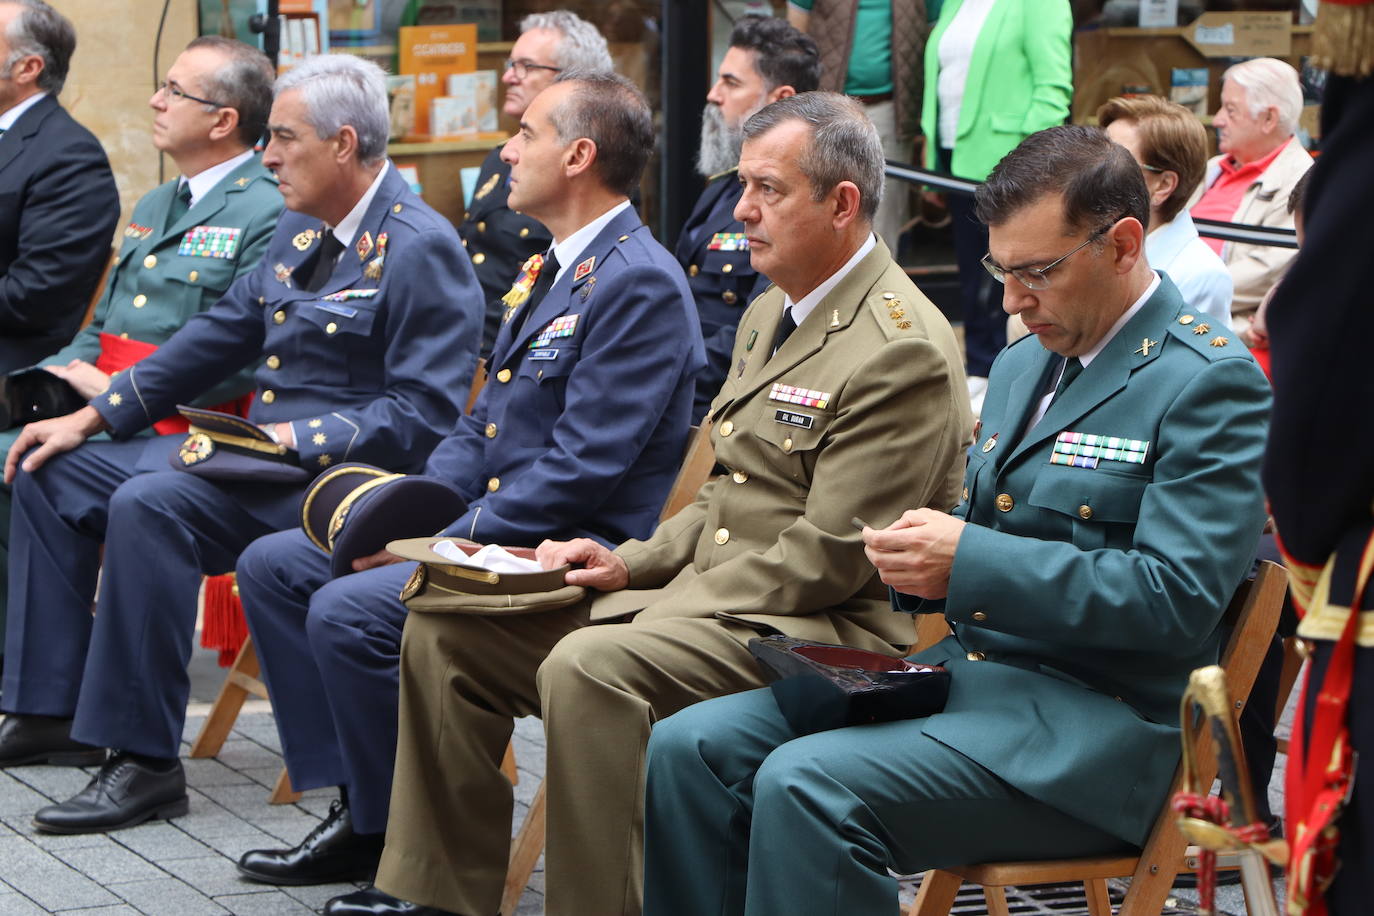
599	689
742	816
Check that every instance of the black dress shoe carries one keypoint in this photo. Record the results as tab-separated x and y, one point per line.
372	902
125	792
43	739
331	852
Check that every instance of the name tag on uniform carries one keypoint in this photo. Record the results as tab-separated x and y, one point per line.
342	311
548	353
792	418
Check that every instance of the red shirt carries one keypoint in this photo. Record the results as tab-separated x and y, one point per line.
1222	199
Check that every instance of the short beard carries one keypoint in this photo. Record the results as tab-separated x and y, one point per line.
720	144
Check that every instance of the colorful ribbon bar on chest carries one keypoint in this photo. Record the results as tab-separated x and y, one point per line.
806	397
1071	445
565	326
210	242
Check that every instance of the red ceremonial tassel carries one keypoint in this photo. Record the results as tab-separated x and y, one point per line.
223	626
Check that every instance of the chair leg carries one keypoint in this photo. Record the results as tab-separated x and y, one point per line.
524	853
508	765
241	681
1099	901
282	793
936	894
996	900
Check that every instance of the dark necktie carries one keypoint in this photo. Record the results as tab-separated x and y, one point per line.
785	327
548	272
330	247
180	204
1071	369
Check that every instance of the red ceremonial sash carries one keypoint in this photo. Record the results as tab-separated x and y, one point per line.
119	353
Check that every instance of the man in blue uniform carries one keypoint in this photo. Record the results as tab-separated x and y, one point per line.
767	60
223	194
499	239
60	204
579	433
366	312
1084	580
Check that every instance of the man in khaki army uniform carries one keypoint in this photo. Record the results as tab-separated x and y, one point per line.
499	239
860	410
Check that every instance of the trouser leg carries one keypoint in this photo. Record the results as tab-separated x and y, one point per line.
985	323
277	575
892	212
354	626
4	561
57	525
603	688
463	679
166	529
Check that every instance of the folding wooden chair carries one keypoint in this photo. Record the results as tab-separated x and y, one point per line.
528	844
1254	615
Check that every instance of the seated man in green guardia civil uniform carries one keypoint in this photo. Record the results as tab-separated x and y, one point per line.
1110	508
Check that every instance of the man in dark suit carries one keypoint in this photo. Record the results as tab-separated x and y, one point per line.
364	313
767	60
499	239
579	433
58	203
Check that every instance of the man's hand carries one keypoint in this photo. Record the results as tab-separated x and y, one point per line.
602	570
382	557
284	432
1257	335
915	553
85	379
60	434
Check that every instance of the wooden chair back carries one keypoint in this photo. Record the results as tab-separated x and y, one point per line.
479	381
697	463
1253	616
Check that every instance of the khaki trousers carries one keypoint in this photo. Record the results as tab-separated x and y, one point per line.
599	688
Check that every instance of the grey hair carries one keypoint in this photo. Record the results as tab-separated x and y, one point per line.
610	111
582	47
243	83
42	31
1269	82
338	90
844	144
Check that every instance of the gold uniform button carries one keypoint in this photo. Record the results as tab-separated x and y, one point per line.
482	226
124	336
150	261
479	258
269	396
140	300
525	232
493	485
729	297
397	209
1004	502
693	270
1085	512
979	616
726	429
964	497
787	444
725	269
465	243
279	316
491	430
193	276
503	376
623	238
1185	319
274	362
739	477
975	656
331	328
262	300
722	535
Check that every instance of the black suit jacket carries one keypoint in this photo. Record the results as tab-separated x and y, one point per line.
58	209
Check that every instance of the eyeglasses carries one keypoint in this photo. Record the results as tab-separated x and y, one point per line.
522	68
1152	168
176	92
1035	277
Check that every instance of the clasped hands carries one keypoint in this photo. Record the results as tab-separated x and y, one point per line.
915	554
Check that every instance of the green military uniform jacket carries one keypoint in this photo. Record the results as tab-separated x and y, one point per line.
164	274
770	541
1081	597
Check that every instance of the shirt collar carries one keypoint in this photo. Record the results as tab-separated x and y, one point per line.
9	116
204	180
812	299
348	226
1232	167
1088	357
570	248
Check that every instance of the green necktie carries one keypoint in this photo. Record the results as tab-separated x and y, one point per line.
1071	369
180	204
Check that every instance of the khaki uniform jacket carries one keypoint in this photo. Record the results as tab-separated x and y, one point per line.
770	541
1256	268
